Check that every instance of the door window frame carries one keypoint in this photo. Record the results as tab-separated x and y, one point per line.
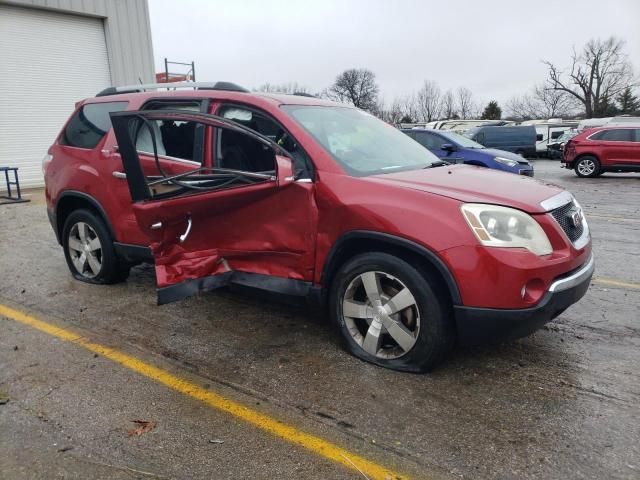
215	146
138	184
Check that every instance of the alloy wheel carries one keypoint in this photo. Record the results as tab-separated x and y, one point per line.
381	314
586	167
85	250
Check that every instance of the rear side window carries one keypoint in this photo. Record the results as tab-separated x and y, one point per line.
89	124
622	135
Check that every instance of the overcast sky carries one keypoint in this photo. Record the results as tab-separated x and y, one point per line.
493	47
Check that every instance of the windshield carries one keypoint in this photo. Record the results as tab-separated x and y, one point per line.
461	140
359	142
566	136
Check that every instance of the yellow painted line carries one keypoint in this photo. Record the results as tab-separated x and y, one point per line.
264	422
615	283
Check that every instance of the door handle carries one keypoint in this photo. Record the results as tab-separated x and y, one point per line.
184	236
119	174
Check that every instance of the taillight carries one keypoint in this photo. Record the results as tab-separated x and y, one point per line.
45	161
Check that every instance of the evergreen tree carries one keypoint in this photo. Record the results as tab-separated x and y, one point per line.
492	111
628	102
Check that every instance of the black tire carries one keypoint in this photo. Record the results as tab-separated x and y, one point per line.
436	334
587	167
111	270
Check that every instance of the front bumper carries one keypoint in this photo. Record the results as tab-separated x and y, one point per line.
490	325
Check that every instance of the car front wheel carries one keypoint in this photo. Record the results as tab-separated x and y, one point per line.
587	167
89	251
388	313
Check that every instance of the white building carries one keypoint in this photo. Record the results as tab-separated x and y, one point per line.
54	53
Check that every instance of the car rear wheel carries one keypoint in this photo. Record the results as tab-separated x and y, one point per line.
89	251
388	314
587	167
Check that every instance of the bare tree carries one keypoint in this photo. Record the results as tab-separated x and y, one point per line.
553	103
464	103
542	102
449	110
356	86
410	109
429	101
597	74
394	114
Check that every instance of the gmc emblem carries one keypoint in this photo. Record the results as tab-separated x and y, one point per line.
576	218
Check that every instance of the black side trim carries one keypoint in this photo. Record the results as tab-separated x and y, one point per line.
429	256
285	286
51	213
94	203
133	253
189	288
621	167
279	285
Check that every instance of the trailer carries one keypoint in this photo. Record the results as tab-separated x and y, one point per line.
548	131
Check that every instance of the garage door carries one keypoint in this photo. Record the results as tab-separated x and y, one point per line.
48	61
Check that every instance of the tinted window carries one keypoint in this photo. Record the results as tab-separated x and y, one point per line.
637	135
89	124
182	140
621	135
460	140
557	134
430	141
172	139
410	134
239	152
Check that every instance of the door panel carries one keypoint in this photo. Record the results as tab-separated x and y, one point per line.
616	146
213	221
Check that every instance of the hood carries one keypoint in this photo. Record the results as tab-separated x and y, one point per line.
472	184
504	154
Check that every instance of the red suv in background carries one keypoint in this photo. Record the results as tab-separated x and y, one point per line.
604	149
306	197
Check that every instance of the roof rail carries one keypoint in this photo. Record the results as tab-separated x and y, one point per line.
228	86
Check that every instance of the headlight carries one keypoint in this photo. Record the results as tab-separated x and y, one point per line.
506	161
505	227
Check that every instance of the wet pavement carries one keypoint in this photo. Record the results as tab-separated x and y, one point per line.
563	403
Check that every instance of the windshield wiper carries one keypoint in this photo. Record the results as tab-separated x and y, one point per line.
439	163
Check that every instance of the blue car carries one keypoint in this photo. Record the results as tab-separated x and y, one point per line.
454	148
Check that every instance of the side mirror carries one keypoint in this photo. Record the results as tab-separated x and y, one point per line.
449	147
285	170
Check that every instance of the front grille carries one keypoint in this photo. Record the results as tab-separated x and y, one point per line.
564	216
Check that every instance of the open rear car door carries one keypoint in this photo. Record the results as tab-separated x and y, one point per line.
198	219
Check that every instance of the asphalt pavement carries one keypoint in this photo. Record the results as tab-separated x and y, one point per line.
562	403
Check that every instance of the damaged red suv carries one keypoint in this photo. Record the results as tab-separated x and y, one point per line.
305	197
605	149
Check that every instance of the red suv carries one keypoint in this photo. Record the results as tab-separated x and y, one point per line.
301	196
604	149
